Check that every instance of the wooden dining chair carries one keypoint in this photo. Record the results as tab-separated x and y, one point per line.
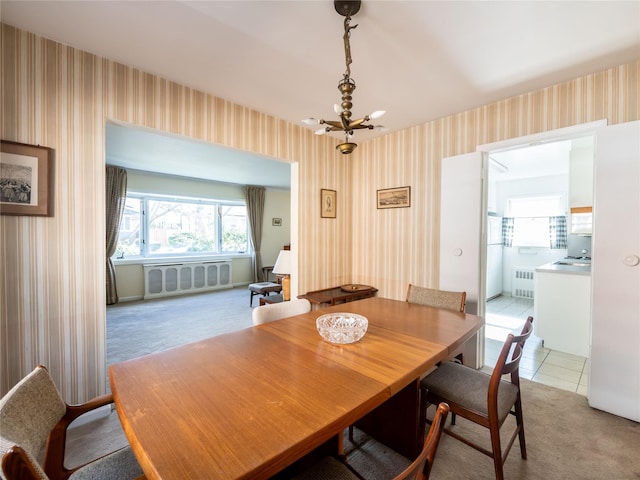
32	415
437	298
486	400
454	301
330	467
276	311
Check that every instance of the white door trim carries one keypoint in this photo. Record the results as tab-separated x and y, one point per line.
549	136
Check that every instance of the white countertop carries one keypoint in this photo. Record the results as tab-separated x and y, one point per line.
568	269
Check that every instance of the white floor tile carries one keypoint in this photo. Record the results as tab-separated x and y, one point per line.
558	369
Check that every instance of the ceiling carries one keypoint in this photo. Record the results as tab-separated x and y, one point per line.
418	60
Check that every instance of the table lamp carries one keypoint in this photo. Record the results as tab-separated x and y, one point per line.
283	267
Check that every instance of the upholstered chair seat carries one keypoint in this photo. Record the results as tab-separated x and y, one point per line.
468	387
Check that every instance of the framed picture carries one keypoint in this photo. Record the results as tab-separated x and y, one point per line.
399	197
328	203
276	222
25	179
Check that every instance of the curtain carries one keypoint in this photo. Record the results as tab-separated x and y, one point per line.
116	196
254	197
507	231
558	232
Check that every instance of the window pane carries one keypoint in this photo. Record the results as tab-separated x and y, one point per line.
234	228
129	236
531	232
176	227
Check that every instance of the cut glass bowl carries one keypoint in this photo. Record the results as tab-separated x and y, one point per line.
342	328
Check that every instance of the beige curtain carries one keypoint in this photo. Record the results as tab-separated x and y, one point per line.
116	196
254	197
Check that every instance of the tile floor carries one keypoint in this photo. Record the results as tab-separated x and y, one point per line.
557	369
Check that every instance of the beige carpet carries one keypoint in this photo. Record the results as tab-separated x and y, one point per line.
566	439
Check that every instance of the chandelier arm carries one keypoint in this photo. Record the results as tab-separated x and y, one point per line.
360	121
360	127
334	124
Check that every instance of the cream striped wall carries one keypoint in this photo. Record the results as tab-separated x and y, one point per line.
394	247
52	269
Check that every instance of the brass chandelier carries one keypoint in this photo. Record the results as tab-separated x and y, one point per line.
347	85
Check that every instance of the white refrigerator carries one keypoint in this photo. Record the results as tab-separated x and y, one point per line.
494	256
614	376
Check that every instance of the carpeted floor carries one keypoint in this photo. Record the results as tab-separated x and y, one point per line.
147	326
566	439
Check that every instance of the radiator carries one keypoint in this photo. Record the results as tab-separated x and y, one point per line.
522	285
163	280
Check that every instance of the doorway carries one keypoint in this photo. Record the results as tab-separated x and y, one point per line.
529	186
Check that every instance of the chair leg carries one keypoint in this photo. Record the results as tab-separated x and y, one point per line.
351	433
494	429
520	425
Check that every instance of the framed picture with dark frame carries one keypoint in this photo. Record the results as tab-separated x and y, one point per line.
26	173
328	204
399	197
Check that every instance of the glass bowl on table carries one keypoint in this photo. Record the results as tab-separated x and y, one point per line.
342	328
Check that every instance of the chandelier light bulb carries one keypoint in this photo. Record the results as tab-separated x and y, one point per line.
377	114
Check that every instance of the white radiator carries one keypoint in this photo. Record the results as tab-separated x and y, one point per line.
168	279
522	284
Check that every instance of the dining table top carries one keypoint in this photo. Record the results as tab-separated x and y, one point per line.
247	404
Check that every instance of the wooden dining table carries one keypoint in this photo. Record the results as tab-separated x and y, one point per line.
249	403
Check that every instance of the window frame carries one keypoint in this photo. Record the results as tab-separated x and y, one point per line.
146	255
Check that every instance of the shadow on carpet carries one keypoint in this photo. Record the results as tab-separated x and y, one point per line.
566	439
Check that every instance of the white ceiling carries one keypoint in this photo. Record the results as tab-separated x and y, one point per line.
419	60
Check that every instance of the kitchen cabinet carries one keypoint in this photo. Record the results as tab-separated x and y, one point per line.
562	309
581	175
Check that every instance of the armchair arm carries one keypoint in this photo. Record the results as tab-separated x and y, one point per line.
55	449
74	411
16	463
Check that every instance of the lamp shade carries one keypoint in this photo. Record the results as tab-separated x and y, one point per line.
283	263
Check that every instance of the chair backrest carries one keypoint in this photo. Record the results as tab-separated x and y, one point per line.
276	311
437	298
508	364
527	328
422	465
30	410
28	413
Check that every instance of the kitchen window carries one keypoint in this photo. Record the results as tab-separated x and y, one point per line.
535	222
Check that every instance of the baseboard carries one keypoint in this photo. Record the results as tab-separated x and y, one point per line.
135	298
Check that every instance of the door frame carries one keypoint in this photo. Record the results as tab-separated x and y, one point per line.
549	136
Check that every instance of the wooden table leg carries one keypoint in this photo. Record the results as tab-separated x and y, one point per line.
395	422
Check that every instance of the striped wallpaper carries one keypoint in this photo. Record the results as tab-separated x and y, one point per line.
52	297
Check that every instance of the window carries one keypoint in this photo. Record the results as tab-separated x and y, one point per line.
531	232
531	219
159	226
